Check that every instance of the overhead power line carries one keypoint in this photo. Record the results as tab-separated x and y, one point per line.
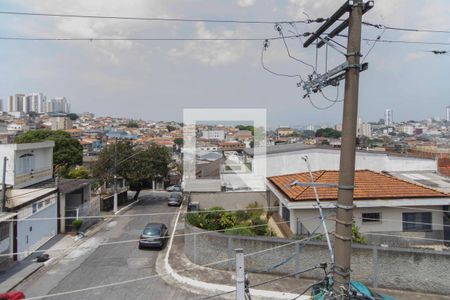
161	19
381	26
400	41
137	39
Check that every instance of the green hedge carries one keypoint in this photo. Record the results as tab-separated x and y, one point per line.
242	222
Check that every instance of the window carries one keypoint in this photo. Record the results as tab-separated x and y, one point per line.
26	163
285	213
368	218
420	221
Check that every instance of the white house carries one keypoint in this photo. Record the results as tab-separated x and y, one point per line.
36	221
383	203
28	163
213	134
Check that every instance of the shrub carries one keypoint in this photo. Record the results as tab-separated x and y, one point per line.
357	237
227	220
255	209
76	224
260	226
240	230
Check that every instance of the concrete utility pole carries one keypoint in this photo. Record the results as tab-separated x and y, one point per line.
350	71
115	176
344	212
4	184
240	274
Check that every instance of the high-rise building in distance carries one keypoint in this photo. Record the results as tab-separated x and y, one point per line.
15	103
59	105
36	102
448	113
388	117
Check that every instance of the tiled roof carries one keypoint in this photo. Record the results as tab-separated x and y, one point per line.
368	185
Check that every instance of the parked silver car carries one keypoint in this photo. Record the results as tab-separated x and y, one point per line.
155	235
175	199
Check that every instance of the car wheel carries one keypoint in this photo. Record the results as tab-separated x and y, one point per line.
140	247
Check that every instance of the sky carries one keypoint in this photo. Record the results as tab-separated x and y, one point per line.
156	80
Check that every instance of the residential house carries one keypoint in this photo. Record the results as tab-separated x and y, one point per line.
383	204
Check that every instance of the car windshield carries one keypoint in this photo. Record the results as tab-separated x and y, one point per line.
174	195
152	231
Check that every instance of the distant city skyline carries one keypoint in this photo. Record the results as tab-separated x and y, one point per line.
158	79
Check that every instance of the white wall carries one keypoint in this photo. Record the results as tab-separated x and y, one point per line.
42	163
328	159
391	218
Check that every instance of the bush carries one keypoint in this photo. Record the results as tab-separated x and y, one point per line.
255	209
227	220
240	230
357	237
76	224
78	173
243	222
260	226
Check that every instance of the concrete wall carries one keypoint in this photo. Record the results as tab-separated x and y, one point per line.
328	159
407	269
230	200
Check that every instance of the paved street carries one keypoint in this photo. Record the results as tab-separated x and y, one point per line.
102	265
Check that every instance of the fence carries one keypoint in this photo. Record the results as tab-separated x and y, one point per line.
397	268
90	208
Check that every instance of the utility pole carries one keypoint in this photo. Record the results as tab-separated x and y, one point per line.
115	176
350	71
4	184
240	274
344	211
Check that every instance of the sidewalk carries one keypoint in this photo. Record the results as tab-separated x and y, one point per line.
13	275
210	277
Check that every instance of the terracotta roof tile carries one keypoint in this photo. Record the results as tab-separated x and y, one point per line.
368	185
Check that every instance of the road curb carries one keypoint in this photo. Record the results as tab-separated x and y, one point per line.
165	270
12	287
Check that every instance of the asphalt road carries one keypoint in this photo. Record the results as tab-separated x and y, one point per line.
102	265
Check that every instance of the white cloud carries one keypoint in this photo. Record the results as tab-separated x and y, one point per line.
96	28
245	3
213	53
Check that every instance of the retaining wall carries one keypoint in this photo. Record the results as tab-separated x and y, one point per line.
396	268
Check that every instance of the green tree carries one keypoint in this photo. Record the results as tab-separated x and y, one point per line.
246	127
78	173
72	116
179	141
171	128
139	166
132	124
68	151
328	133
